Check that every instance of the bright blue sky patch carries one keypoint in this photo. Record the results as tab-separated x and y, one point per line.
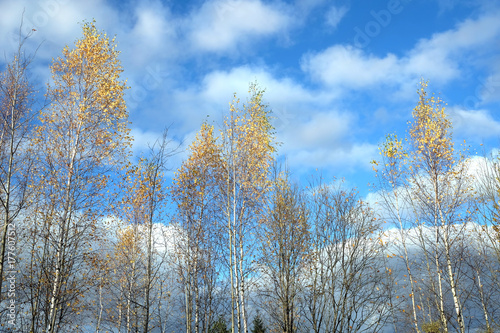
339	75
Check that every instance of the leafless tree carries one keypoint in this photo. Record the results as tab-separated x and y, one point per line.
345	280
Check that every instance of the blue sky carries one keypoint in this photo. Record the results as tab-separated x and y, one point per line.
339	75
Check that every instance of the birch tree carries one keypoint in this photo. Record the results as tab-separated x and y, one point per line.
284	252
147	195
247	151
434	181
128	267
195	192
394	200
440	181
84	139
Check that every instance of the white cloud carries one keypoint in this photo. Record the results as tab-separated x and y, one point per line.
153	36
438	58
345	157
334	15
211	97
468	34
57	22
53	24
223	24
490	88
346	66
220	85
474	124
323	130
145	140
313	134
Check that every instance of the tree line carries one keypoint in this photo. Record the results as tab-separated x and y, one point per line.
95	240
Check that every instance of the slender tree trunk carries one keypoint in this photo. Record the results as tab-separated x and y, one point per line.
7	188
428	267
230	234
129	314
390	284
35	297
453	285
483	304
98	325
59	269
237	282
242	290
61	244
407	264
196	296
148	273
188	285
439	214
56	285
120	316
187	294
6	221
442	316
131	287
35	311
451	276
234	268
444	323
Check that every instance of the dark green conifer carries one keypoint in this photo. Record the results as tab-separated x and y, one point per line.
219	326
258	324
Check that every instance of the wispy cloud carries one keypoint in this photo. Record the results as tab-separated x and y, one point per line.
334	15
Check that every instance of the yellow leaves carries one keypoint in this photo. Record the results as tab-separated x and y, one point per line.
88	115
393	147
197	178
430	129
